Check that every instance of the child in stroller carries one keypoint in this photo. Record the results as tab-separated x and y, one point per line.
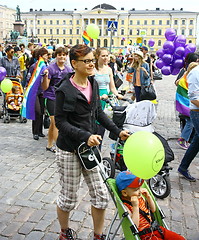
141	207
14	99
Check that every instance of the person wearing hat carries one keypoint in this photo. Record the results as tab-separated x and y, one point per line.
140	204
141	73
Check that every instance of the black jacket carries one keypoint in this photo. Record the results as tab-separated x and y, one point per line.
75	118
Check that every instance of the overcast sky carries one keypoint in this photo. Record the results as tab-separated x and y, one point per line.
25	5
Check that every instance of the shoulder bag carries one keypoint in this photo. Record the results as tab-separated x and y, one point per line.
147	92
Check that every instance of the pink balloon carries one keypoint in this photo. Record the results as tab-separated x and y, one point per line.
170	34
166	70
3	73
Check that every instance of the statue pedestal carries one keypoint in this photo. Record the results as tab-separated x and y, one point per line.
19	26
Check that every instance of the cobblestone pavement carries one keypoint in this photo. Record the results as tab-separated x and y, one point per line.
29	182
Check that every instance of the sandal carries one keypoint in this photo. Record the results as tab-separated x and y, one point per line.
51	149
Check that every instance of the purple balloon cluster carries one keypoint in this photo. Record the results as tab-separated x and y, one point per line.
171	56
2	73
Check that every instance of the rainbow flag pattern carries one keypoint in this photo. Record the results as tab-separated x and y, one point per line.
182	99
86	38
28	104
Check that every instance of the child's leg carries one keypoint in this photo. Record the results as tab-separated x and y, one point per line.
169	235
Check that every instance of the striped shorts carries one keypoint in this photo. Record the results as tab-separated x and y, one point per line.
70	170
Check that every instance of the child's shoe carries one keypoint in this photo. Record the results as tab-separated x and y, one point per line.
67	234
99	237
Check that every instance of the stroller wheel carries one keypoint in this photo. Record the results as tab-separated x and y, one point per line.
109	167
160	186
22	119
6	119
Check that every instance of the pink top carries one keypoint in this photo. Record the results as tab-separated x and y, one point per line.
87	91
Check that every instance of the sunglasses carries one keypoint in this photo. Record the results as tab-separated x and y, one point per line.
87	61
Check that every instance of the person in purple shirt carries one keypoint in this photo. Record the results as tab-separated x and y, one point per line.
55	72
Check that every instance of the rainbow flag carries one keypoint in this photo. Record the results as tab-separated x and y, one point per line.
182	99
28	104
86	38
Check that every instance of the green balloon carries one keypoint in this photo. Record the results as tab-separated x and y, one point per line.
93	31
144	154
6	85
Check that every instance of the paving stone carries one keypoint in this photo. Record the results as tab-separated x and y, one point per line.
26	228
35	235
11	229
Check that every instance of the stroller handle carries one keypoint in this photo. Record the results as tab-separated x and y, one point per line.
108	100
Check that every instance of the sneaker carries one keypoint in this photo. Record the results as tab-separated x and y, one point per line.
99	237
182	143
186	175
68	234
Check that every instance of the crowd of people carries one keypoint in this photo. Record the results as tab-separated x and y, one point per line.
74	83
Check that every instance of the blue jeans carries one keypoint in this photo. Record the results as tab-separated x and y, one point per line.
187	130
194	147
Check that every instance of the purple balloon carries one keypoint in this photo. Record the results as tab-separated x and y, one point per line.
159	63
151	42
190	48
166	70
168	47
180	41
170	34
179	52
167	58
178	63
2	73
175	71
160	53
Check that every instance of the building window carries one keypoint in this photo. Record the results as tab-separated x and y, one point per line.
45	22
100	22
77	31
131	32
98	42
38	21
100	34
122	31
145	42
145	22
44	31
168	22
51	31
160	22
93	21
51	22
159	43
57	22
77	22
70	41
77	41
86	21
106	32
57	31
122	43
112	42
175	22
152	31
138	22
183	21
64	22
57	41
131	22
190	31
31	21
153	22
138	32
44	40
105	43
71	31
183	31
64	41
64	31
191	22
122	22
70	22
160	32
190	41
38	31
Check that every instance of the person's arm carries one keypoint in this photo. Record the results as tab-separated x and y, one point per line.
135	215
146	70
112	85
193	87
149	199
46	80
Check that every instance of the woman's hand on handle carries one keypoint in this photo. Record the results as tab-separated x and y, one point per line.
124	135
94	140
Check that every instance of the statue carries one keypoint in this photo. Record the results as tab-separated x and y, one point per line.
14	35
25	33
18	14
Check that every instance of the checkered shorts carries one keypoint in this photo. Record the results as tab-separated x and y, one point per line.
70	170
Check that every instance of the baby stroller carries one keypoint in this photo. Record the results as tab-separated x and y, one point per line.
8	110
90	157
138	117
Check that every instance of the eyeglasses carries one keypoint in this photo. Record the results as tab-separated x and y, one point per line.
87	61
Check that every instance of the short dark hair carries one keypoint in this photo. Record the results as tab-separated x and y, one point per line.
41	52
16	49
8	48
191	57
79	50
21	45
61	50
